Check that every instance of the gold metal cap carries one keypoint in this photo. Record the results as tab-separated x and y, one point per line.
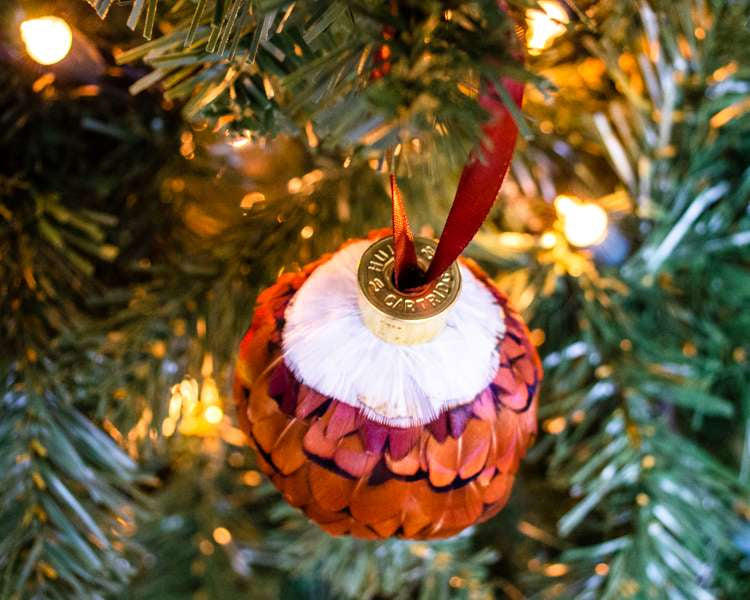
402	317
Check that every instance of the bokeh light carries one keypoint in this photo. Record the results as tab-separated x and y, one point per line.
47	39
545	25
584	223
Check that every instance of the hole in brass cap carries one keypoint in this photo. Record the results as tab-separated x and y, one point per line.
399	317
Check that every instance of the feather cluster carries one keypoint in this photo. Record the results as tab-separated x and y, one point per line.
358	475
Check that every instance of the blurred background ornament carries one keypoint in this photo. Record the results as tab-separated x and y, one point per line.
615	247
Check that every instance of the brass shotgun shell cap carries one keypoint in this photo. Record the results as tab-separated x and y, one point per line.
406	318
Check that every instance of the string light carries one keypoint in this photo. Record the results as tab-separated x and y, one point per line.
556	570
251	199
213	414
545	25
47	39
194	408
584	223
222	536
239	142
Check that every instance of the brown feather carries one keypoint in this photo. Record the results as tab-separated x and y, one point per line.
362	531
499	489
256	354
308	401
330	490
527	421
262	405
387	528
340	527
507	461
465	506
267	431
315	442
418	507
504	379
287	453
486	475
505	430
296	487
320	515
408	465
376	503
352	457
415	521
525	370
401	441
442	461
484	406
461	507
518	397
343	420
473	447
511	349
264	465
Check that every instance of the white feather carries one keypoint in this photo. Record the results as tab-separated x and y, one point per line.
330	349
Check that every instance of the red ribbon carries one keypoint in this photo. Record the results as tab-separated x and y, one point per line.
406	268
477	189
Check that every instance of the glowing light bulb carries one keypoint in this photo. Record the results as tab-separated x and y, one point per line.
222	536
47	39
545	25
584	223
213	414
239	142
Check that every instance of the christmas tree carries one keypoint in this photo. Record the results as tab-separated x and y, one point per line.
151	188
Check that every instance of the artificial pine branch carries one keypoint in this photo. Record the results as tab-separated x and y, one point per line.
360	77
630	407
69	496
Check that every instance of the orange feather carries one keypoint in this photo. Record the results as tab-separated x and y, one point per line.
296	487
287	453
406	466
473	447
330	490
352	457
315	442
442	461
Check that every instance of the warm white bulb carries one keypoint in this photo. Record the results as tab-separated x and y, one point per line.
47	39
584	223
544	25
213	414
239	142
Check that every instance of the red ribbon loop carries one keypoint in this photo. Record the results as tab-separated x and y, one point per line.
406	268
477	190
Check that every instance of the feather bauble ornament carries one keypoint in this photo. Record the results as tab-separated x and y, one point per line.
372	432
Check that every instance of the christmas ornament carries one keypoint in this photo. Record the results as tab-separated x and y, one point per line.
388	388
370	436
